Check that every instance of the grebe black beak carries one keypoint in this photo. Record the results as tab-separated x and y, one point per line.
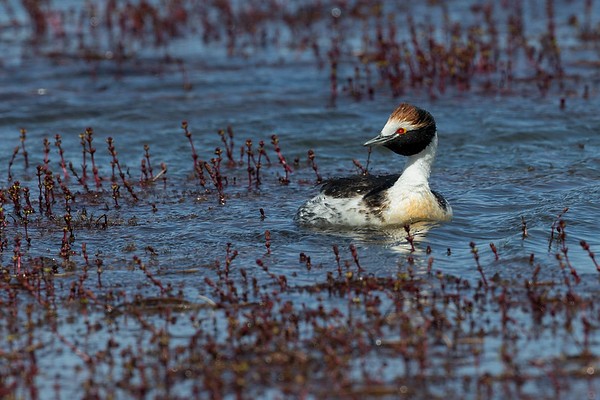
378	140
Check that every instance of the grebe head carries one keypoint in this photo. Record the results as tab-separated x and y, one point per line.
408	131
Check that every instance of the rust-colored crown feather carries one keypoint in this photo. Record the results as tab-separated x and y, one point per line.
416	116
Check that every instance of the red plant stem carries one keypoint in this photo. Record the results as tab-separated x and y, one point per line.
188	134
115	162
39	170
116	194
80	353
147	157
68	195
3	222
215	176
313	163
14	192
27	211
586	247
495	251
149	275
554	50
286	167
263	153
89	132
334	54
84	158
504	303
216	162
358	165
37	16
46	153
25	155
410	238
28	281
370	149
258	166
429	265
12	160
555	225
561	229
479	268
65	248
229	145
251	163
355	257
336	251
198	164
229	257
268	241
80	180
48	191
144	177
63	164
17	255
85	256
99	271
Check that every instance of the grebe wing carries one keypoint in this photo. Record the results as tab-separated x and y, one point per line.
357	185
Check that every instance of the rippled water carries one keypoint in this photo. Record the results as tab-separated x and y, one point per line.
499	158
502	159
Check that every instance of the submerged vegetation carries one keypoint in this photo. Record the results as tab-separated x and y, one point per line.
96	301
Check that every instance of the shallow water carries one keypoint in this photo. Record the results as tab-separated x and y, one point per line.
503	158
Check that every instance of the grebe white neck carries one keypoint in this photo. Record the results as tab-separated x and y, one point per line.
418	167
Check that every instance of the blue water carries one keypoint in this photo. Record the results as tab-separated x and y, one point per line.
504	157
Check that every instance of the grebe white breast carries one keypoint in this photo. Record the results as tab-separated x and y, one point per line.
396	199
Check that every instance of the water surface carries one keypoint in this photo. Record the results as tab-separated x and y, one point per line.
505	157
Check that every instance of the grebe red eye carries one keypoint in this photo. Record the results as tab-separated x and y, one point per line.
400	131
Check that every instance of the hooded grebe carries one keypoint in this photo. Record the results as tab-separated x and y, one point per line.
397	199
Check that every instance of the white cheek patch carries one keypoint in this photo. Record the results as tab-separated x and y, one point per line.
392	126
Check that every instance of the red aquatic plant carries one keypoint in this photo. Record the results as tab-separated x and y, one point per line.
61	153
475	253
287	169
313	164
115	163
